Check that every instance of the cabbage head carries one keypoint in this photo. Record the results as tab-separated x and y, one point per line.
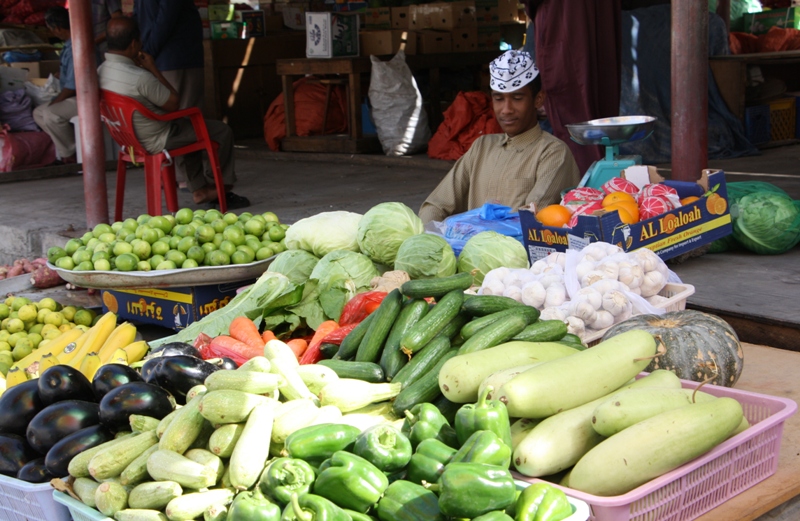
426	256
767	223
486	251
295	264
384	228
325	232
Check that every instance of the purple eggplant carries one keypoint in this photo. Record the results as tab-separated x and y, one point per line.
35	471
111	376
133	398
178	374
14	454
60	454
173	349
18	406
59	420
149	370
62	382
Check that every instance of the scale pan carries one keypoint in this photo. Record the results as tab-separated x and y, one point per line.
612	131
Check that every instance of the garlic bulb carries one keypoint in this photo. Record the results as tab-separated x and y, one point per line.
595	251
606	285
556	295
553	313
647	259
583	268
609	269
514	292
616	303
492	287
497	273
537	267
575	326
637	290
552	279
603	320
582	309
516	277
652	283
656	300
558	258
594	297
630	274
592	277
534	294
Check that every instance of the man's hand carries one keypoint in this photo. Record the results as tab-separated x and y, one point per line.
146	62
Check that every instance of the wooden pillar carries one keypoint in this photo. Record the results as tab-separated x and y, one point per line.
88	98
689	89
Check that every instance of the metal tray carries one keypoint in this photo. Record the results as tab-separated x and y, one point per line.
612	131
201	276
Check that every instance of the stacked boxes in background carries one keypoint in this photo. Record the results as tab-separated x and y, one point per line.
331	35
488	34
439	25
379	37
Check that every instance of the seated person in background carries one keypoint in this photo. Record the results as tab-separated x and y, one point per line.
54	117
520	166
131	72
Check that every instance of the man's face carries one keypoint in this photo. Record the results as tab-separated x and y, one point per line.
516	111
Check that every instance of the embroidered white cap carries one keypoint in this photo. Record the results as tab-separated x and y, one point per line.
511	71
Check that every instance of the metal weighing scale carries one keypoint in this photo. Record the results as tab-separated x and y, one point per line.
611	133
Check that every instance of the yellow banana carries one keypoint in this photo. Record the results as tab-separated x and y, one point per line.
47	361
55	347
123	335
15	376
89	365
136	351
97	336
2	385
119	357
72	349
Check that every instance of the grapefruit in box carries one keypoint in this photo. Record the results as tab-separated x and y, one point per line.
654	205
618	184
584	209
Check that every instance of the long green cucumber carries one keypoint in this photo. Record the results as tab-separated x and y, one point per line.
477	324
453	328
367	371
369	350
423	361
423	331
349	346
437	287
482	305
392	359
654	447
496	333
543	331
425	389
447	408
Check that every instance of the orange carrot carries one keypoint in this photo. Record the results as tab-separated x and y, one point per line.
240	348
298	346
268	335
244	330
312	354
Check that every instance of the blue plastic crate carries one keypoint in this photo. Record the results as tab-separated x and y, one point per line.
756	124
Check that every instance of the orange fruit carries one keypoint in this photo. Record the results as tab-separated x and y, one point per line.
632	209
689	200
716	205
617	197
553	215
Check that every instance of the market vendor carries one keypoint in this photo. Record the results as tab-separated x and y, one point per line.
520	166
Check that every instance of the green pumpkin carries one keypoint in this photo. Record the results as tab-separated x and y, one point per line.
694	345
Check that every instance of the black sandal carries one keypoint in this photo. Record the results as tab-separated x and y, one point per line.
234	201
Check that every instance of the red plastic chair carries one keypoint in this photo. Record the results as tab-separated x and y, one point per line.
117	111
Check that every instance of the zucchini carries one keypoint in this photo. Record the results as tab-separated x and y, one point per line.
369	350
164	423
84	488
141	423
258	364
79	465
252	450
392	359
423	361
217	512
328	351
367	371
437	287
110	498
185	427
207	459
285	364
246	381
432	324
477	324
350	343
291	416
136	471
165	465
482	305
191	506
224	439
154	494
112	460
197	390
139	514
425	389
349	395
226	406
543	331
317	376
453	328
496	333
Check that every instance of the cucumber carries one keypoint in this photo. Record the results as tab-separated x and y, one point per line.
496	333
246	381
316	376
138	514
447	408
84	488
392	359
226	406
437	318
112	460
185	427
423	361
424	389
136	471
79	465
252	450
477	324
482	305
154	494
499	378
191	506
569	337
453	328
350	343
224	439
566	383
165	465
367	371
543	331
110	498
369	350
654	447
328	351
437	287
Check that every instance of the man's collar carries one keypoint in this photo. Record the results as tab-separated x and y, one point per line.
521	141
114	57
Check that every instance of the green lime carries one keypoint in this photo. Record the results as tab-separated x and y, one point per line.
233	235
166	265
276	233
254	244
41	314
130	223
218	239
251	253
264	253
122	248
23	348
171	219
173	242
142	248
143	219
219	225
92	243
196	253
260	218
186	243
182	230
239	257
212	215
143	265
244	216
230	218
100	255
208	246
126	262
27	313
101	265
160	247
4	335
53	333
160	233
284	227
278	247
255	227
72	246
265	236
189	263
104	247
55	253
205	233
69	312
48	303
227	247
35	339
65	263
15	325
36	328
5	350
175	256
86	265
4	311
124	232
101	229
184	216
155	260
14	338
131	237
161	223
199	213
149	235
116	226
86	237
218	258
270	216
106	238
81	255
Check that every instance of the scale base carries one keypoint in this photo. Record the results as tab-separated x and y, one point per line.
603	170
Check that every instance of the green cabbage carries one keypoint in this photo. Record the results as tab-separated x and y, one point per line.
486	251
384	228
767	223
295	264
426	256
325	232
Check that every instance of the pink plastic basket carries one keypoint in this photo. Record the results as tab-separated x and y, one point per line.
730	468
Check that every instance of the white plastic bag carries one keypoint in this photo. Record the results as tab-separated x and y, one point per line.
400	119
40	95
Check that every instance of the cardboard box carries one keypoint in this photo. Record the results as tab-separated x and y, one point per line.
385	42
254	24
434	42
174	308
226	30
465	39
760	23
12	78
489	37
378	18
668	235
273	22
40	69
331	35
487	15
443	16
510	11
294	15
220	12
401	17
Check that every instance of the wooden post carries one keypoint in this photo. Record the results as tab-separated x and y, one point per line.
689	89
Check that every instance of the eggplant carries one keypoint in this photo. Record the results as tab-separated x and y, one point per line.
149	368
35	472
178	374
14	454
110	376
18	406
62	382
223	363
133	398
60	454
174	349
59	420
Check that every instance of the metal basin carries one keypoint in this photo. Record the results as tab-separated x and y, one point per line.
612	131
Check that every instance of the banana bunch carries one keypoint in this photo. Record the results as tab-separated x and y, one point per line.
103	343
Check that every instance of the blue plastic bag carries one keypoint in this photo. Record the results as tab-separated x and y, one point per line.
458	229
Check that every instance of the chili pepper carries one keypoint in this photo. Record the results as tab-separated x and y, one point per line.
350	481
428	462
425	421
253	506
473	489
360	306
485	415
313	354
385	447
406	501
310	507
494	516
316	443
285	476
484	447
543	502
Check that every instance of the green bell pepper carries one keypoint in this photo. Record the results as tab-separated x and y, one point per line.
543	502
358	516
406	501
424	421
317	443
484	447
494	516
310	507
385	447
429	460
350	481
284	476
473	489
253	506
485	415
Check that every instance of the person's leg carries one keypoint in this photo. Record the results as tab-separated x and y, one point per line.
190	86
182	134
54	119
222	134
